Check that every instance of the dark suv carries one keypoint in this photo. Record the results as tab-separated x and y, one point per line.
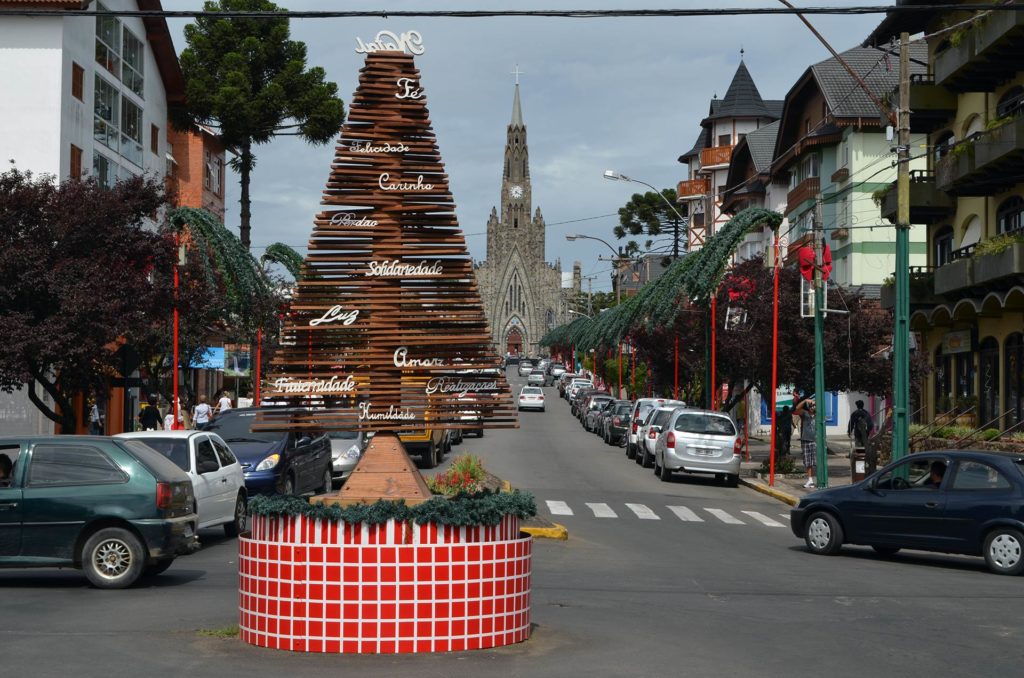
113	508
276	462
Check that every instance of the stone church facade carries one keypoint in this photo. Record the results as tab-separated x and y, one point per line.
522	293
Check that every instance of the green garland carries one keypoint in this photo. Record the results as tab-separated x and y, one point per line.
280	253
482	508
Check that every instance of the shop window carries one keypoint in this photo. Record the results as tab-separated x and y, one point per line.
1013	377
988	379
1010	215
943	245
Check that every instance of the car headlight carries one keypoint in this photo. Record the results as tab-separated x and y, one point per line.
351	453
269	463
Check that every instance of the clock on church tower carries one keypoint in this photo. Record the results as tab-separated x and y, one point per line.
516	191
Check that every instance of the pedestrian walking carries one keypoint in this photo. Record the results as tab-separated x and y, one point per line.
149	414
202	413
224	404
95	418
805	410
861	426
784	425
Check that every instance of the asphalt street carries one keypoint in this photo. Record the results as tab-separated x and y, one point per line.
656	579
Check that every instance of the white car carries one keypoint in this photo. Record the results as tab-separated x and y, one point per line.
531	398
524	367
641	408
216	475
648	434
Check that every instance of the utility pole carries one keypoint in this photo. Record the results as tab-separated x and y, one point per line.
901	331
819	353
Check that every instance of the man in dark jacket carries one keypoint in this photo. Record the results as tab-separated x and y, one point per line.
149	415
861	426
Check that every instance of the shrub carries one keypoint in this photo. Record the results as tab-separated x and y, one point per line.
952	432
783	464
465	475
990	434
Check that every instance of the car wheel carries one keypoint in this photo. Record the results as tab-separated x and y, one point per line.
732	480
665	475
237	525
288	486
157	567
1004	551
113	558
480	434
630	451
325	484
886	550
824	535
429	457
647	460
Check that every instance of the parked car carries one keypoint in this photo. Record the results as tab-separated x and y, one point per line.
578	399
615	423
347	449
967	502
284	462
592	410
536	377
115	509
554	371
698	441
648	434
531	398
217	480
472	416
575	385
525	366
641	408
563	383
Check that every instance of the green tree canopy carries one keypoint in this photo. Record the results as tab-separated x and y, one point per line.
248	79
648	214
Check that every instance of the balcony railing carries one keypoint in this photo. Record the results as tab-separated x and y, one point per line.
930	105
807	189
985	163
987	54
927	203
717	155
693	188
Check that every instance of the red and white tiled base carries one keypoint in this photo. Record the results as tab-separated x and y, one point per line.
319	586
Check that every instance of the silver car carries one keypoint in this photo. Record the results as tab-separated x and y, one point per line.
698	441
347	449
594	409
524	367
648	434
536	377
531	398
641	408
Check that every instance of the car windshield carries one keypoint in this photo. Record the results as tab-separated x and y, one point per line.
175	449
704	424
531	391
236	427
623	408
343	435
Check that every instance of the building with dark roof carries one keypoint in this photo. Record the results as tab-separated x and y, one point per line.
740	112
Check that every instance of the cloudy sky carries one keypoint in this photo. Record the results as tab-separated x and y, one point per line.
597	94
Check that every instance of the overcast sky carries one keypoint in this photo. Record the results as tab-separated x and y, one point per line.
597	94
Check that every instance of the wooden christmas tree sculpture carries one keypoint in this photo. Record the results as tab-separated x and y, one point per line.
386	330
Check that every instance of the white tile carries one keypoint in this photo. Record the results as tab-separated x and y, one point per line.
763	519
685	514
559	508
602	510
724	516
643	512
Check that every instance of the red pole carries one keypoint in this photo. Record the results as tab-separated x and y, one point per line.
632	367
714	382
775	360
675	389
746	425
174	366
259	359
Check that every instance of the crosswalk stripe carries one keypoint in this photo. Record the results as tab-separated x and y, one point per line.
685	514
602	510
643	512
763	519
785	515
559	508
724	516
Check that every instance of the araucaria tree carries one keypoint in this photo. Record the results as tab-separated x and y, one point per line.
75	281
647	214
247	79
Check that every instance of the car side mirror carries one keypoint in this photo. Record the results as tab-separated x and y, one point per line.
207	466
303	441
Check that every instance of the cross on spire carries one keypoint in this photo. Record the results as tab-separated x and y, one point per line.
516	72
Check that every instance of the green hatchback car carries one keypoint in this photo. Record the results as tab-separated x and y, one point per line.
112	508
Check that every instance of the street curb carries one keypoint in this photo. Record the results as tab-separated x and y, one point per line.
557	532
770	491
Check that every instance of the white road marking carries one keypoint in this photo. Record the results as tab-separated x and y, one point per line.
763	519
643	512
602	510
724	516
785	515
559	508
685	514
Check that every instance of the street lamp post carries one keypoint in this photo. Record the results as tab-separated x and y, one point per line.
619	176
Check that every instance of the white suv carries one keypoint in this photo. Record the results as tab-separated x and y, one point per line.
641	408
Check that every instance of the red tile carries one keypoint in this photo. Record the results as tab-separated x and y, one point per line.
332	629
332	646
350	647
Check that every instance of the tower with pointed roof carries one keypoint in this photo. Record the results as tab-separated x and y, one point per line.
740	112
521	291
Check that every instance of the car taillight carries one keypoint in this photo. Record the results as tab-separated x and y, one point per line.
652	434
636	425
164	494
670	440
540	397
737	446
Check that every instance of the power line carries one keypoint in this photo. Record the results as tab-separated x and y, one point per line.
541	14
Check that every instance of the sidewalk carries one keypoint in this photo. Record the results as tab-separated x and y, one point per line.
789	488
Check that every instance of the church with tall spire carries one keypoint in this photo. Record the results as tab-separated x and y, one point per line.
521	291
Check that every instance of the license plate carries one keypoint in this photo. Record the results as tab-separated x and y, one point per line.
705	453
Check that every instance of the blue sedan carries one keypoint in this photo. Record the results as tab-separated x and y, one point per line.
965	502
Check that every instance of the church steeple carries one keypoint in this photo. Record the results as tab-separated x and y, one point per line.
517	110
